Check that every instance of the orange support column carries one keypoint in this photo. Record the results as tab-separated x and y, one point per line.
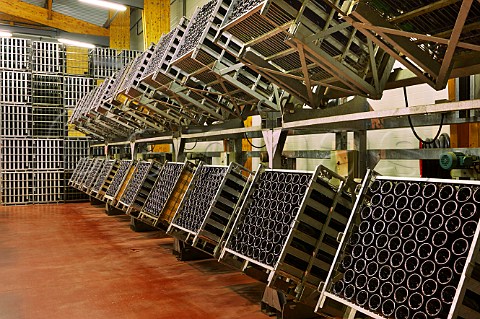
156	20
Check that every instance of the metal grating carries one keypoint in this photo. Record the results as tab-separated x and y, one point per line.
411	241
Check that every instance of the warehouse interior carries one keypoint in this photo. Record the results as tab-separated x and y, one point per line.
290	159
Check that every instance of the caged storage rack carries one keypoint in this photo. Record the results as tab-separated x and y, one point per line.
118	184
306	48
139	186
166	194
206	214
103	179
410	250
286	230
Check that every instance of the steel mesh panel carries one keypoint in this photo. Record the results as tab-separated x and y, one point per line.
197	27
199	198
135	183
266	222
118	178
107	167
408	248
93	173
163	188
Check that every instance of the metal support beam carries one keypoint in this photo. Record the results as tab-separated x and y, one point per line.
179	149
360	144
275	142
341	141
447	64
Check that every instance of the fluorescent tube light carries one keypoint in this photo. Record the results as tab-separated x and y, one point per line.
5	34
77	43
106	4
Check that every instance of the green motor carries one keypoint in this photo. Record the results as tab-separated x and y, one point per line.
457	160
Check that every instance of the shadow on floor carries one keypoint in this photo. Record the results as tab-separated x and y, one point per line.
211	266
252	292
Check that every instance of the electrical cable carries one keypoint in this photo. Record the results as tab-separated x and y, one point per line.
189	149
413	128
246	137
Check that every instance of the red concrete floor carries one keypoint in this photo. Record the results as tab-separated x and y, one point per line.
73	261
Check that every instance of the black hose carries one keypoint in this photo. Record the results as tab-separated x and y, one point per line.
413	128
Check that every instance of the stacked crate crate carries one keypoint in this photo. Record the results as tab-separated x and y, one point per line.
40	85
16	121
75	148
48	121
104	62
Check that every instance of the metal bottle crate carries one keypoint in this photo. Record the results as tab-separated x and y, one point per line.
75	88
16	187
144	190
207	211
15	54
92	174
71	194
47	90
158	72
15	87
233	86
119	78
83	169
16	154
197	51
286	230
16	120
86	175
175	102
104	178
168	191
310	42
119	182
129	87
48	154
74	150
418	238
78	169
133	184
48	57
104	62
48	186
49	122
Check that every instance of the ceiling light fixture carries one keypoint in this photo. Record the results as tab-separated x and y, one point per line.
106	4
77	43
5	34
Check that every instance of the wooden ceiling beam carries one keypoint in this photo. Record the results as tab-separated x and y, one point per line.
11	19
60	21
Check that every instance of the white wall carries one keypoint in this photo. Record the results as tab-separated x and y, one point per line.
403	138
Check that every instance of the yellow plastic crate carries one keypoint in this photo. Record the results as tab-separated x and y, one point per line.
77	61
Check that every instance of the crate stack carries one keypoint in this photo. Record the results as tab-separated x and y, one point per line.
75	87
48	121
75	148
16	121
104	62
40	85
